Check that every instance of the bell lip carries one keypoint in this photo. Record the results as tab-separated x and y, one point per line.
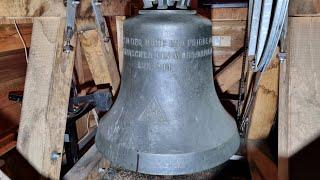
152	12
168	164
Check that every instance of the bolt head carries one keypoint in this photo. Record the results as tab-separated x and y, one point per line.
67	48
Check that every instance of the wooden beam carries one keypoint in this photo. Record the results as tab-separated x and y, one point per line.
260	163
88	166
46	97
304	8
10	40
100	58
7	143
230	74
299	107
56	8
266	102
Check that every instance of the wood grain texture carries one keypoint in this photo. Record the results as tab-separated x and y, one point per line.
235	30
88	166
119	24
304	8
12	77
100	58
9	38
266	102
303	83
19	20
56	8
223	14
46	97
230	75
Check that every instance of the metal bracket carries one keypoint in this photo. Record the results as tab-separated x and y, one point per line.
100	21
69	30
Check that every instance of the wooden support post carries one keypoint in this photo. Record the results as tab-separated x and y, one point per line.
46	97
299	103
119	24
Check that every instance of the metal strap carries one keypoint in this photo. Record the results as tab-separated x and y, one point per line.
100	21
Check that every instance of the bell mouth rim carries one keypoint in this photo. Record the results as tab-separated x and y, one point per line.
156	12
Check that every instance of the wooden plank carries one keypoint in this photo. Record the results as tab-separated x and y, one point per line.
56	8
9	38
119	23
265	107
304	8
88	166
225	14
100	58
46	97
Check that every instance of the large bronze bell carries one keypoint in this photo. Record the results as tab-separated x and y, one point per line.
167	119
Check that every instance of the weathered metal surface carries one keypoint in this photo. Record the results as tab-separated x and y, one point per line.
167	119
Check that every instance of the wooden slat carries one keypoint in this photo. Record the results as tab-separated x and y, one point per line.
119	23
225	14
304	8
46	97
56	8
265	107
9	38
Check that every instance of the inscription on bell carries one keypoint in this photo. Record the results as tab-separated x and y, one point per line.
167	55
168	42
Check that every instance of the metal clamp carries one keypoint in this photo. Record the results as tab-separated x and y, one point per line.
69	31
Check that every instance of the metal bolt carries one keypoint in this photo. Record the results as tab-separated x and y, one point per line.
55	155
101	170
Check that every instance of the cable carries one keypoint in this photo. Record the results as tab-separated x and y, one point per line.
22	40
